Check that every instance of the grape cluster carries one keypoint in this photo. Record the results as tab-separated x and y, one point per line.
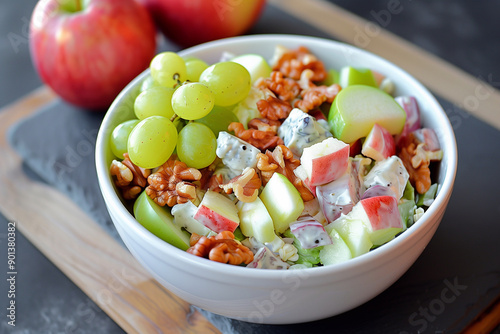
182	107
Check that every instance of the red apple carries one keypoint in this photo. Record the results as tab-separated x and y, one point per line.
87	51
379	144
429	137
318	114
412	123
310	233
190	22
325	161
379	77
378	190
381	216
217	212
355	148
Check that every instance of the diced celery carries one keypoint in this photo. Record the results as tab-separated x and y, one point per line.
427	198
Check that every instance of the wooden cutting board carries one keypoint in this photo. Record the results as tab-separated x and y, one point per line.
81	249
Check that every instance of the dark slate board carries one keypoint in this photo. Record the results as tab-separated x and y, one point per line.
459	268
458	273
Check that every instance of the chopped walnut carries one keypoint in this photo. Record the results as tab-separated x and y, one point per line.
122	173
305	80
264	124
220	248
288	252
424	156
140	174
293	62
314	97
273	108
209	180
261	139
282	161
287	89
245	186
168	185
420	176
129	178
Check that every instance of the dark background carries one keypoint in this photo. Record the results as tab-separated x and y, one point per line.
465	33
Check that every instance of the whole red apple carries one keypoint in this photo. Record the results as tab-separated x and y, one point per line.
88	50
190	22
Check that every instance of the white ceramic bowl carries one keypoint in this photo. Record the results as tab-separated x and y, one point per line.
274	296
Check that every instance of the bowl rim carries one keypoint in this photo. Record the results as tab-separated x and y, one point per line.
445	188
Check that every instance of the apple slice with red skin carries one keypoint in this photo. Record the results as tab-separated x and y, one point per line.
355	148
381	216
429	137
325	161
379	77
217	212
318	114
310	233
379	144
412	123
378	190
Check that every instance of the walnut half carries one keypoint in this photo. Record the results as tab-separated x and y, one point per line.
169	186
129	178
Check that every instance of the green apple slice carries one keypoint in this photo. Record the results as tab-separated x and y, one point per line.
357	108
183	217
354	233
255	221
332	77
283	201
256	65
160	222
356	76
337	252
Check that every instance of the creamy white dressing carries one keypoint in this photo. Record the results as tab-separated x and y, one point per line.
390	173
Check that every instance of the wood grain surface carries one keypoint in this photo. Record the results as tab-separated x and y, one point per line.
81	249
462	89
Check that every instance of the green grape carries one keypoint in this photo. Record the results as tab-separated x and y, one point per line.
148	83
229	81
119	137
152	141
196	145
219	119
192	100
168	69
194	68
155	101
